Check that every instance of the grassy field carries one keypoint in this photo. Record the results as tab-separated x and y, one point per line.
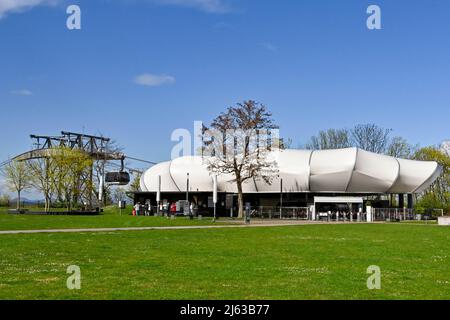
111	218
292	262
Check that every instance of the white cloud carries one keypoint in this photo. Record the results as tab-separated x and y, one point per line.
269	46
222	26
212	6
153	80
11	6
22	92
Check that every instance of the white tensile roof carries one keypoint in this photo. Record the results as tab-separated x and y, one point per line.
350	170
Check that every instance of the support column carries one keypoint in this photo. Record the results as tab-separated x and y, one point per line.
369	217
401	200
281	198
410	201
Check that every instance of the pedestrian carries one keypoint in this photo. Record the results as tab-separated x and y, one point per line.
149	208
173	208
137	208
191	209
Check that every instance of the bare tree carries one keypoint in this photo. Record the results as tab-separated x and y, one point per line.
17	178
101	166
119	194
400	148
239	145
370	137
445	147
330	139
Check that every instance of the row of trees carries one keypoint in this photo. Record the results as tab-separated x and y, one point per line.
63	176
369	137
66	177
4	200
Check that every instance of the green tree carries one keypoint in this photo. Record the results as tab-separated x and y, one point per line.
438	194
17	178
73	173
42	173
135	185
4	200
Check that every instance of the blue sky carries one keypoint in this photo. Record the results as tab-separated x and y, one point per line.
137	70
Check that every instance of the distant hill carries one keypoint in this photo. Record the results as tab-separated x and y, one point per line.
26	201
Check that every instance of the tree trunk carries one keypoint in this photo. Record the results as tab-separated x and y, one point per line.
18	200
47	200
240	200
68	203
47	204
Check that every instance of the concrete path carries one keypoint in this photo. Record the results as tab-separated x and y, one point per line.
233	225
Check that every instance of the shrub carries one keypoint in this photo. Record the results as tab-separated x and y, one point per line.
4	200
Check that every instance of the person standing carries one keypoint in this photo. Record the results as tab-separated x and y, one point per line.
137	208
173	209
149	208
191	211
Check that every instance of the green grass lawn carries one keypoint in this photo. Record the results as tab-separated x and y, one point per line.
111	218
419	222
292	262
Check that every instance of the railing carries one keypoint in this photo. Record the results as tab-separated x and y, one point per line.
398	214
341	216
267	212
393	214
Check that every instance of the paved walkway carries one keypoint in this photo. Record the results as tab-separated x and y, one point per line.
261	223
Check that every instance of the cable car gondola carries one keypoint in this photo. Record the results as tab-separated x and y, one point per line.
119	178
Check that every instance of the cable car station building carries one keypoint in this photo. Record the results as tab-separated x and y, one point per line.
324	181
